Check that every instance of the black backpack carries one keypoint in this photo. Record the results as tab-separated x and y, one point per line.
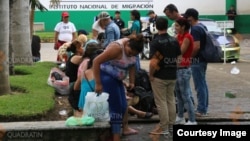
142	79
146	99
56	75
212	51
143	89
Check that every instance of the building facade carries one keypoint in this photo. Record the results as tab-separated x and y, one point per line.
83	12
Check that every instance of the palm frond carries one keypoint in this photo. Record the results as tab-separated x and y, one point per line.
37	4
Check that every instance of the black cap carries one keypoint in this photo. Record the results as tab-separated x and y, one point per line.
150	12
82	31
191	12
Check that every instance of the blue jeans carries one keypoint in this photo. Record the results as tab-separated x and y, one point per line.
137	64
117	100
184	94
200	84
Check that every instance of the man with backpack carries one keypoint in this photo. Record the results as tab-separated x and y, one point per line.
164	52
199	63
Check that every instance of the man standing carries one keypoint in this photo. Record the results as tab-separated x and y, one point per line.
35	48
118	20
199	64
152	19
65	31
231	14
172	13
166	50
112	31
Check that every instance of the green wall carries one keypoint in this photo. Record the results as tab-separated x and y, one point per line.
84	19
229	3
81	19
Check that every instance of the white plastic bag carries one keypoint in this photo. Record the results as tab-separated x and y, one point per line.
61	86
97	106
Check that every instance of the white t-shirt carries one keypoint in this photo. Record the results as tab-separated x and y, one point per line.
65	31
171	30
97	27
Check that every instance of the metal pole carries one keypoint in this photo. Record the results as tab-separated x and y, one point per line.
224	26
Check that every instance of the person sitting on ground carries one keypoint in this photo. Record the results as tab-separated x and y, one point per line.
63	54
101	38
75	87
74	61
92	50
87	84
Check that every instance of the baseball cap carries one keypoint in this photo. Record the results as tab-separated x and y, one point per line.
103	15
150	12
88	42
191	12
65	14
82	31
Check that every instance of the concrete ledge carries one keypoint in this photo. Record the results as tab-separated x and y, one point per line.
48	125
51	131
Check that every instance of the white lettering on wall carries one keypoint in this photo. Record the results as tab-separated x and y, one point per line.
99	5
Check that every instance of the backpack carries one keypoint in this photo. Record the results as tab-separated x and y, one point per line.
146	99
142	79
144	91
57	75
212	51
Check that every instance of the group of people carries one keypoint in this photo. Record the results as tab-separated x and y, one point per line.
85	60
174	57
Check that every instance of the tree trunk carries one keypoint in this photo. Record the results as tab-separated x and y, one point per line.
11	50
21	32
4	51
32	14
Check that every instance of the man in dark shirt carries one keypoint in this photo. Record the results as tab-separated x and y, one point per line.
163	79
35	48
199	64
152	19
231	13
119	21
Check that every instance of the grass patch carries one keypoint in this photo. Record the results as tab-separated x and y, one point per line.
34	96
45	34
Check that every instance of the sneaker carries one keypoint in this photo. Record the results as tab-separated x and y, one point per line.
191	123
158	131
198	114
180	120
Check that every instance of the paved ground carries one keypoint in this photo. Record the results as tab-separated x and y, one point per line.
219	79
